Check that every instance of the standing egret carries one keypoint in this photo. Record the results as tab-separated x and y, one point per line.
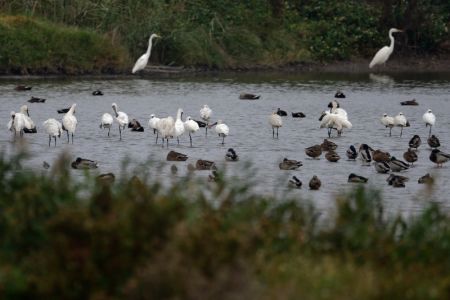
191	126
387	121
69	122
222	130
430	119
383	54
53	129
400	120
107	121
153	124
121	118
276	122
178	128
143	60
205	114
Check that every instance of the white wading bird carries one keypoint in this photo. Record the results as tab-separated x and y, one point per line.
69	122
383	54
143	60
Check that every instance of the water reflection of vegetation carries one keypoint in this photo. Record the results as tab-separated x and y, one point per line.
137	240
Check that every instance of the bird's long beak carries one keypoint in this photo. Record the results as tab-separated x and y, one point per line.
209	126
28	114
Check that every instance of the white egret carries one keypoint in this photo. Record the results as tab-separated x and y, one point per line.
430	119
143	60
276	122
222	130
121	118
178	128
191	126
400	120
69	122
107	121
205	114
383	54
153	124
387	121
53	129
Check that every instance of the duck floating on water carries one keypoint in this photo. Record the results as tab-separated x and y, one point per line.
290	164
202	164
231	155
351	153
339	94
176	156
332	156
427	179
397	165
281	113
315	183
36	100
294	182
382	167
249	96
298	115
412	102
314	151
328	145
84	164
356	178
380	156
135	126
97	93
23	88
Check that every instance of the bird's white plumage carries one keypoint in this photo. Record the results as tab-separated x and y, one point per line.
107	120
53	127
165	127
205	113
153	122
178	129
10	124
143	60
383	54
400	120
275	120
222	129
387	121
28	122
190	125
121	117
429	118
69	121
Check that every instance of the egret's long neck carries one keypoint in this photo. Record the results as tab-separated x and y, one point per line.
179	114
72	108
150	42
392	41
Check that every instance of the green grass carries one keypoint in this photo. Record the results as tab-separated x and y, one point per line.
135	239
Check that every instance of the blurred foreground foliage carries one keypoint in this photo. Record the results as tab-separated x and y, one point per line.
62	238
240	34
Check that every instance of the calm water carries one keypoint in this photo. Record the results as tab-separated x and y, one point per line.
368	97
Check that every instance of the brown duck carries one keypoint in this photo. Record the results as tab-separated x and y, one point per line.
380	156
332	156
176	156
315	183
328	145
202	164
290	164
410	156
314	151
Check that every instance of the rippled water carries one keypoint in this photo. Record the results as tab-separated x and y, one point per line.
368	97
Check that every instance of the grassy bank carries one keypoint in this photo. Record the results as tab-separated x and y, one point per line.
29	46
229	34
134	239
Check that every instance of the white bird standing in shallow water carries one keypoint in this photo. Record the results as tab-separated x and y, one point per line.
107	121
166	128
400	120
143	60
121	118
153	124
276	122
383	54
28	122
191	126
387	121
430	119
205	114
53	129
222	130
69	122
178	128
16	123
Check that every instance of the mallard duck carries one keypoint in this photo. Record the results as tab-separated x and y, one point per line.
176	156
46	165
328	145
97	93
410	102
108	178
433	141
351	153
290	164
332	156
135	126
397	180
231	155
83	164
397	165
23	88
380	156
364	154
382	167
356	178
339	94
439	157
314	151
410	156
202	164
248	96
294	182
281	112
36	100
315	183
426	179
63	110
415	142
298	115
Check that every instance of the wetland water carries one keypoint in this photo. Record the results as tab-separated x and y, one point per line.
368	97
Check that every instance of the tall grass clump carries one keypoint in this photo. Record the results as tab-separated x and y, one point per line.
137	239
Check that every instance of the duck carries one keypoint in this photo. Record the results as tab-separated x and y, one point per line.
231	155
36	100
433	141
214	176
332	156
314	151
439	157
135	126
84	164
63	110
290	164
176	156
106	178
202	164
415	142
315	183
97	93
294	182
276	122
339	94
298	115
410	156
351	153
173	169
397	180
412	102
427	179
387	122
328	145
382	167
380	156
281	112
364	153
248	96
23	88
356	178
397	165
45	165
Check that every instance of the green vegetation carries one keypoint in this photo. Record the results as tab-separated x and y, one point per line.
239	34
65	239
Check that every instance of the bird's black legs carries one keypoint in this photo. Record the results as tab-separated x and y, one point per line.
178	140
68	138
72	138
429	133
120	132
223	140
55	141
109	129
273	132
206	130
190	138
49	139
390	131
401	131
277	132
